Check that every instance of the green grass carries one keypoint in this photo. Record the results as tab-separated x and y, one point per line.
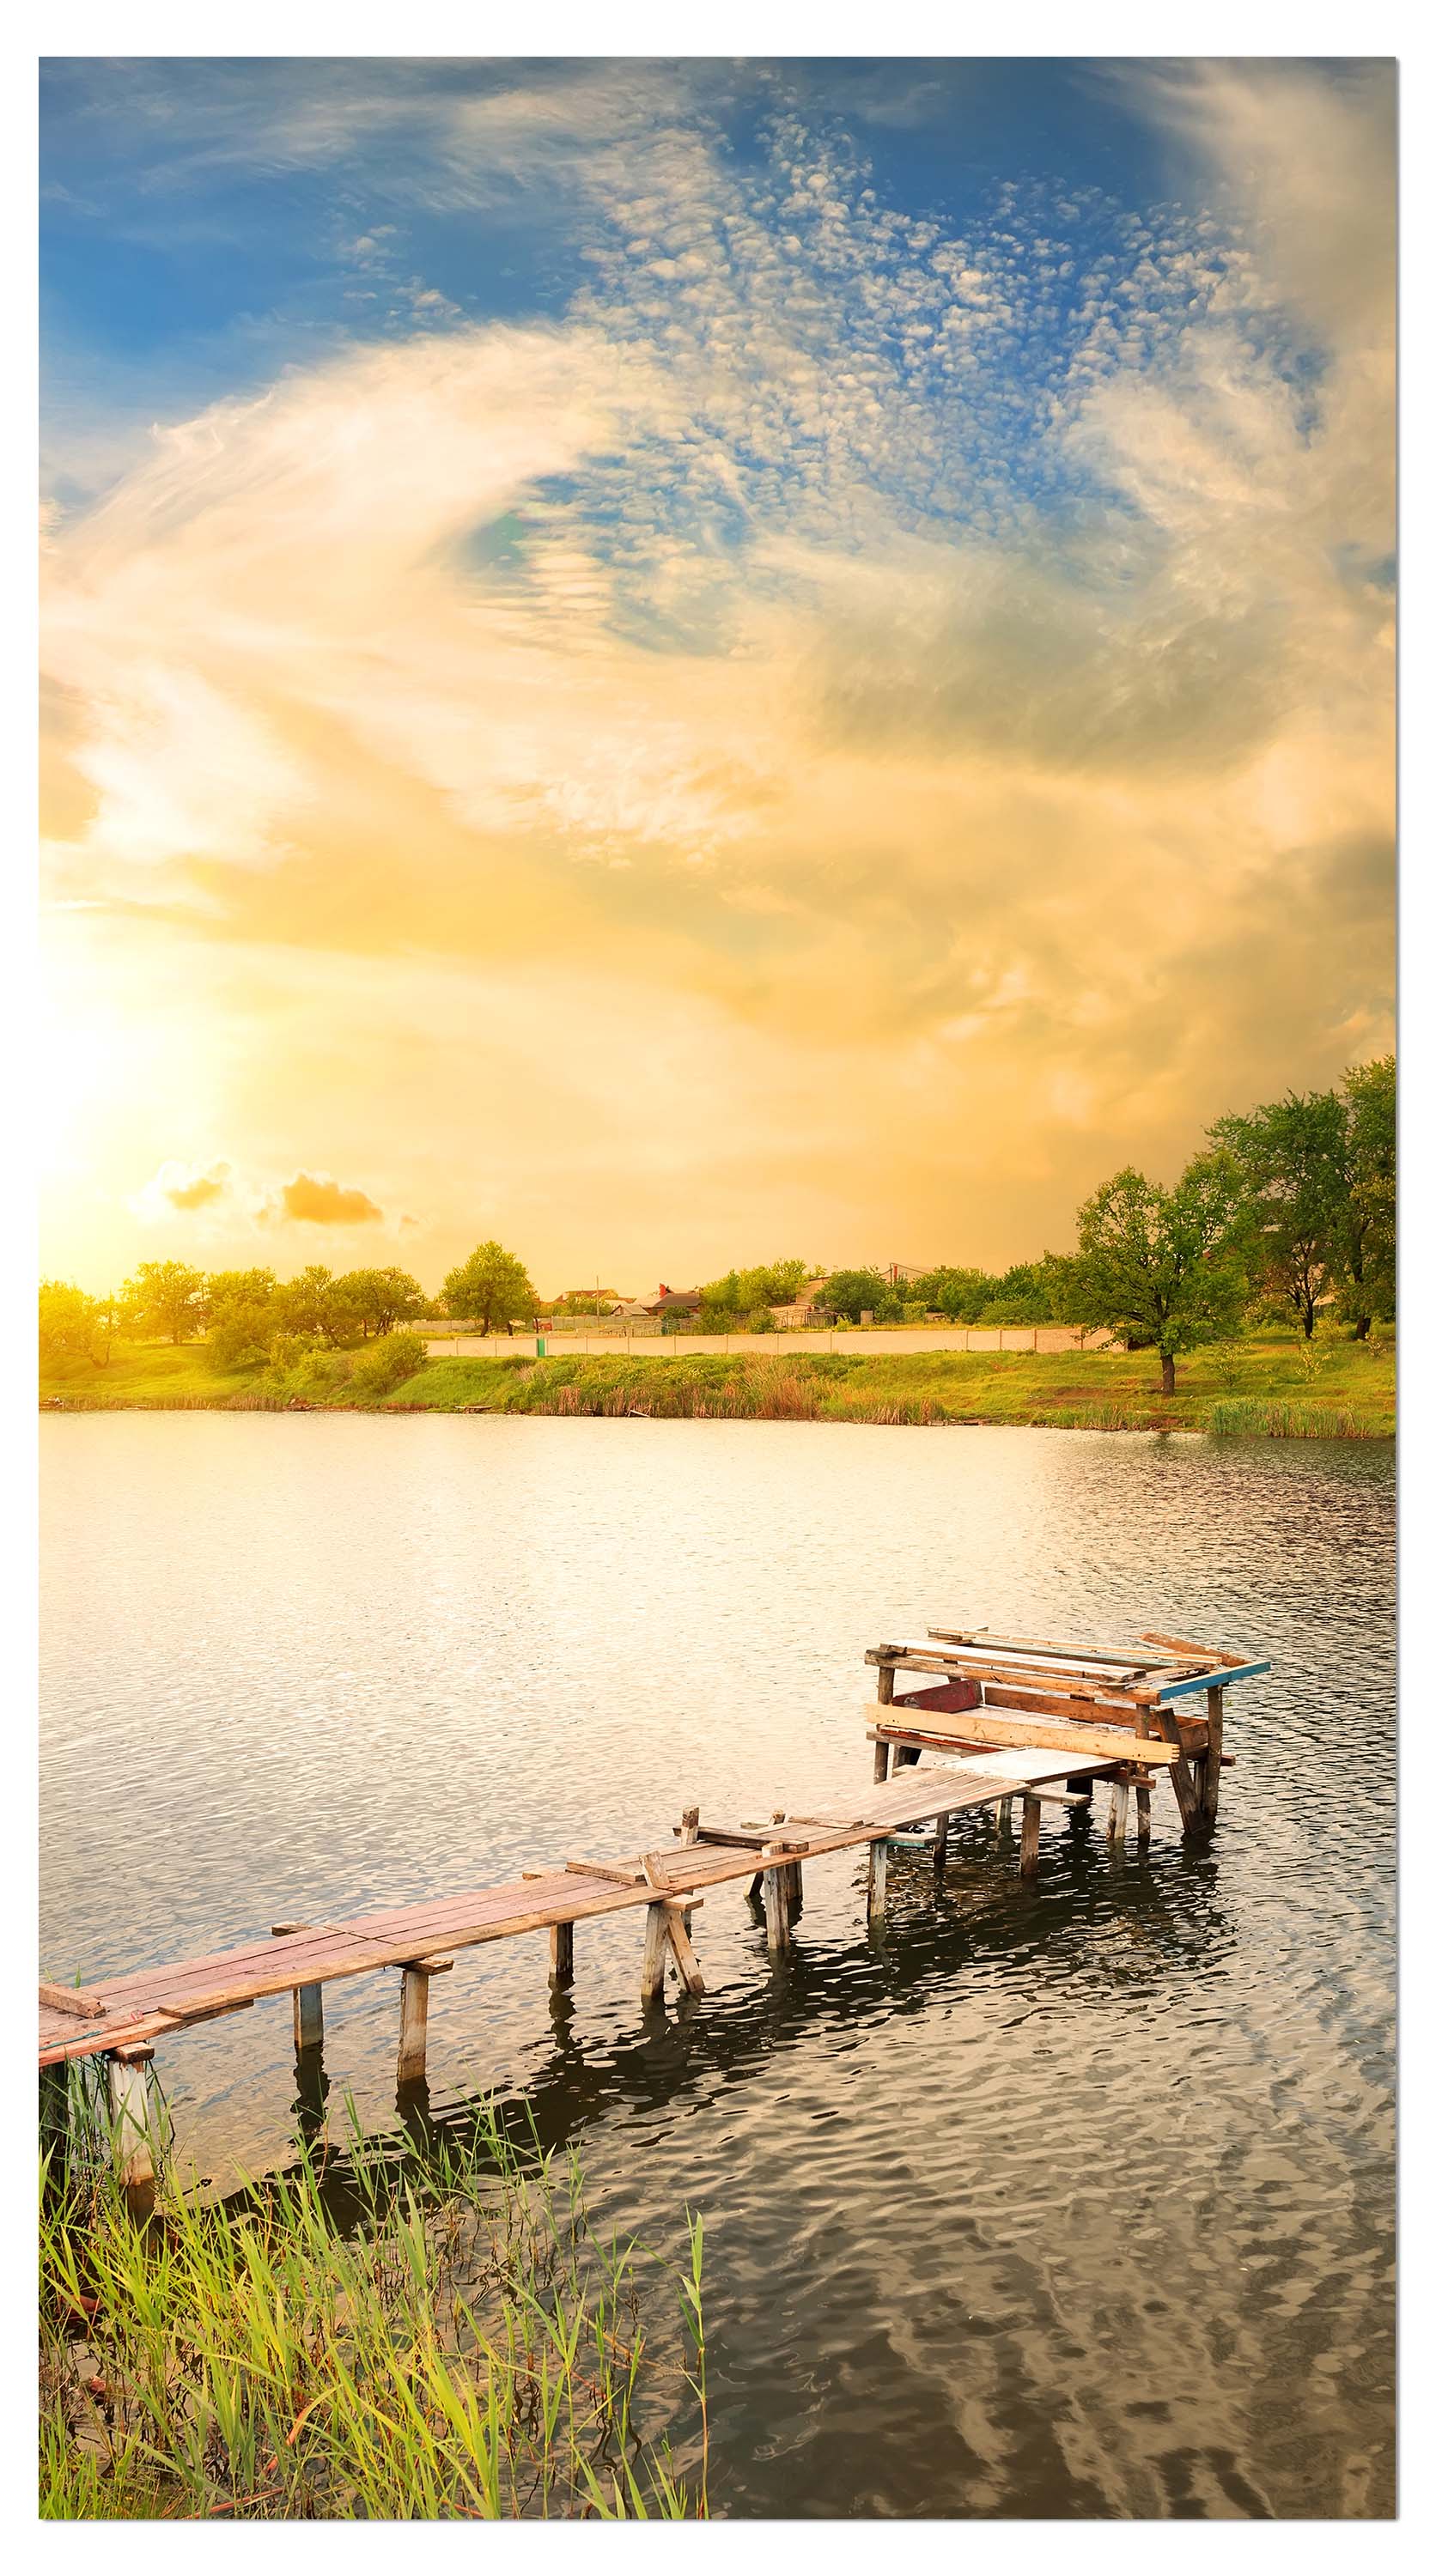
1272	1385
471	2349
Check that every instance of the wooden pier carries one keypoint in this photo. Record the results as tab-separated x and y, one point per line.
1008	1718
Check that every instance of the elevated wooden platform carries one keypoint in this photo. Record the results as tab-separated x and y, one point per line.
1124	1701
1009	1717
140	2006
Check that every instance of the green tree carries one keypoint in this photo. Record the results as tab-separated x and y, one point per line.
740	1293
492	1287
1292	1155
224	1290
1169	1265
380	1299
851	1293
309	1307
960	1293
1367	1242
165	1297
1023	1295
73	1325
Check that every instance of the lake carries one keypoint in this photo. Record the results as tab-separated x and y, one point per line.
1063	2198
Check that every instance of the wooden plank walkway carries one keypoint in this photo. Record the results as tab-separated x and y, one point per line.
132	2010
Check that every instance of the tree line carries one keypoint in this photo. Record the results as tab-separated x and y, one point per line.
251	1315
1288	1210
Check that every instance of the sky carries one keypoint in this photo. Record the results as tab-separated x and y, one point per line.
688	662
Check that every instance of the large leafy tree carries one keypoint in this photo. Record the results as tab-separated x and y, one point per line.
241	1308
743	1293
165	1297
852	1293
310	1306
73	1325
1293	1156
381	1299
1367	1235
957	1292
492	1287
224	1290
1167	1264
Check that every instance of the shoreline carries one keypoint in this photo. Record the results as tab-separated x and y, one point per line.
1270	1390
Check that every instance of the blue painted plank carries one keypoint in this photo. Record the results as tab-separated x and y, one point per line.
1217	1679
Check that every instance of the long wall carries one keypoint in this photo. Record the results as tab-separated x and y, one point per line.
862	1343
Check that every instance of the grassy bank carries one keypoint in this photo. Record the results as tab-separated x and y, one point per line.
467	2348
1276	1386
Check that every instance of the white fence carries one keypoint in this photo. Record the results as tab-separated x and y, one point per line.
861	1341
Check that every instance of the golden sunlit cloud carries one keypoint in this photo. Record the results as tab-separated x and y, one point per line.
314	1200
665	784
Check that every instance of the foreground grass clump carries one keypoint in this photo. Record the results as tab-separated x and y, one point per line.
1271	1385
469	2348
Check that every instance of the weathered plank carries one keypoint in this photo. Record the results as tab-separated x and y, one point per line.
1076	1737
74	2001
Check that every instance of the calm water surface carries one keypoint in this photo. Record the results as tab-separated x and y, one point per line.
1065	2198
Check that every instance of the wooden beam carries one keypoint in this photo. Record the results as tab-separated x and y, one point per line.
1182	1781
75	2000
560	1954
992	1641
682	1949
1117	1813
980	1726
622	1872
1188	1646
1192	1682
1031	1826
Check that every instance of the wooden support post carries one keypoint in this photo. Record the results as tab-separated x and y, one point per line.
308	2000
1144	1812
906	1757
308	2018
1031	1825
1117	1813
1183	1786
1002	1816
885	1692
939	1842
655	1954
135	2126
560	1954
413	2024
1211	1785
877	1878
775	1905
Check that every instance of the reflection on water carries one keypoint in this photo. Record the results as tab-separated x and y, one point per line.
1064	2198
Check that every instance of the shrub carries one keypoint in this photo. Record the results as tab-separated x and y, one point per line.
386	1363
241	1337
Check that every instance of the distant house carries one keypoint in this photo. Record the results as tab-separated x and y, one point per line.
662	1303
807	1309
